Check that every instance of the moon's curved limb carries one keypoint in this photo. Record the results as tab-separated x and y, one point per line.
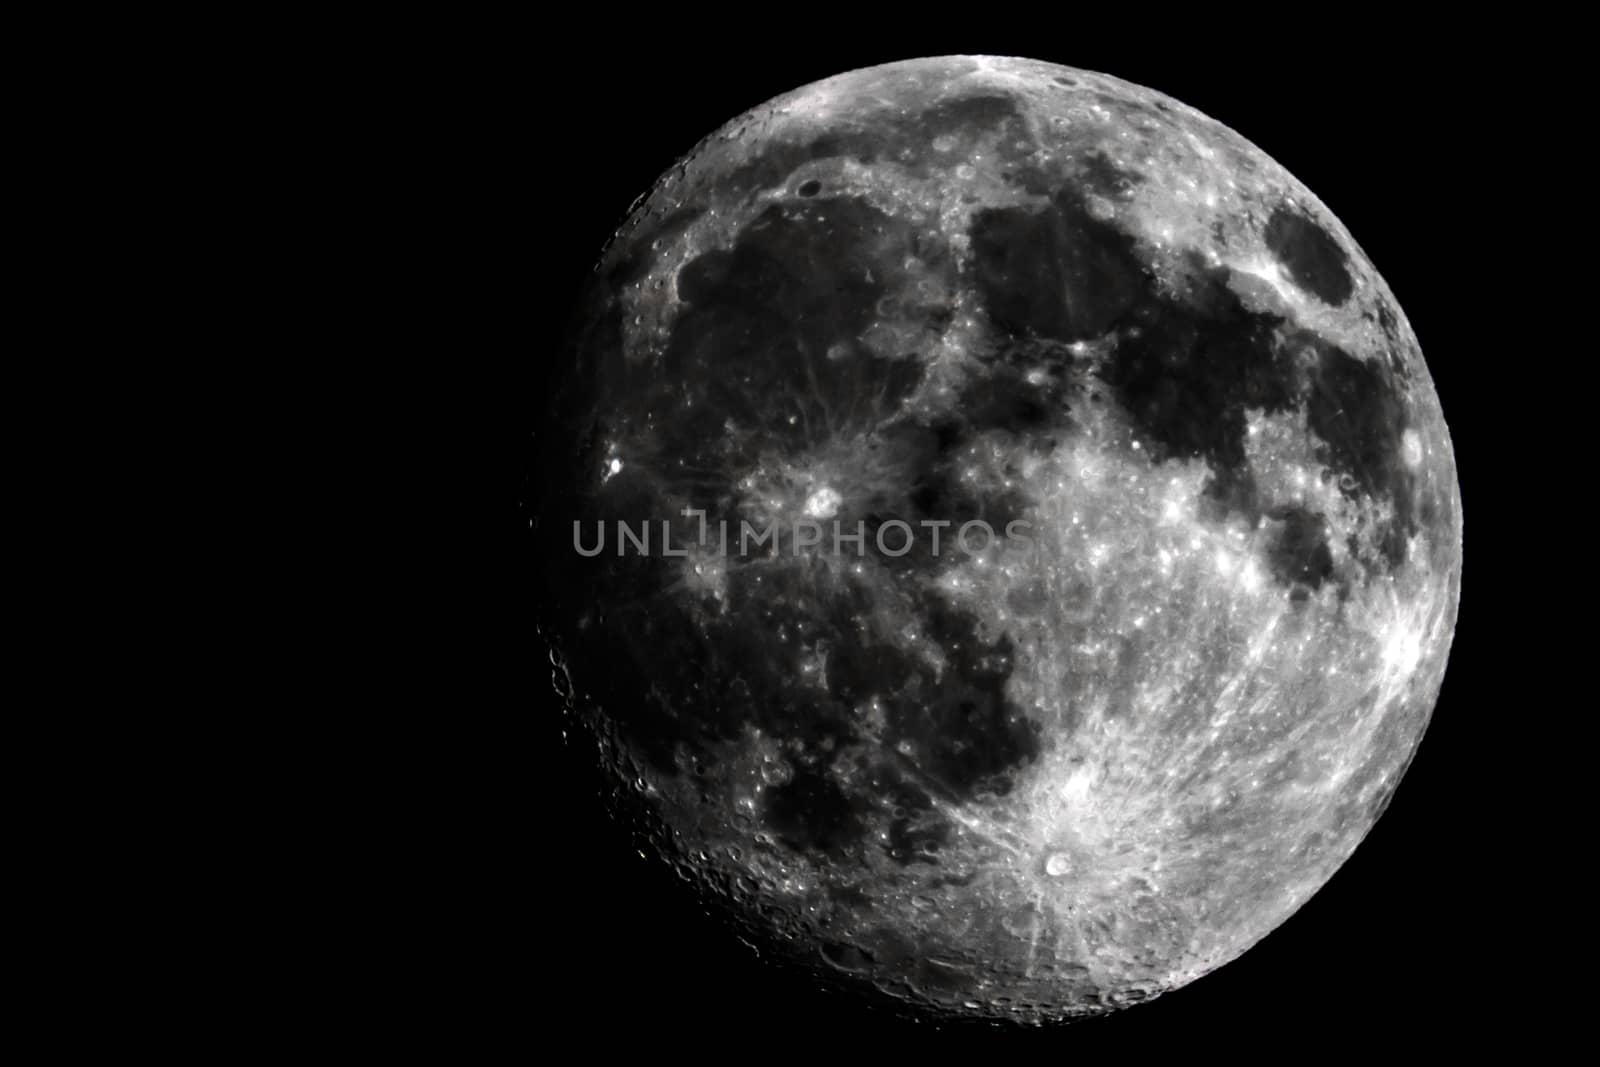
1111	747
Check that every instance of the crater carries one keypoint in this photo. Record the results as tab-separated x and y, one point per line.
1314	260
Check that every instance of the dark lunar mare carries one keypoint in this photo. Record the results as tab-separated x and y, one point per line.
1312	257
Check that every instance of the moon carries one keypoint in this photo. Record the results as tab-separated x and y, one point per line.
999	534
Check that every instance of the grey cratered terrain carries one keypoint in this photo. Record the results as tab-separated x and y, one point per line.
1070	766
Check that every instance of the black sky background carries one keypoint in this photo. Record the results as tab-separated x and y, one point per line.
1407	940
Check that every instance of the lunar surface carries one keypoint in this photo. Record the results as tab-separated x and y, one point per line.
1042	539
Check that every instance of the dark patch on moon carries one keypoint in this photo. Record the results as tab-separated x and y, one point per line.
766	321
1004	400
1232	491
1355	408
1103	175
965	115
930	486
1059	273
1187	369
1314	260
811	812
969	117
1299	554
964	732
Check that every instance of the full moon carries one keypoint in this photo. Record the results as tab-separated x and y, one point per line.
999	534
